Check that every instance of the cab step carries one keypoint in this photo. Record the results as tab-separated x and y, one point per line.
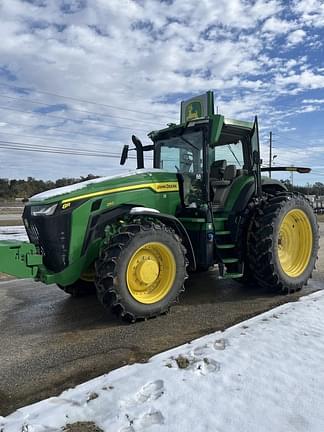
231	276
226	246
222	232
230	260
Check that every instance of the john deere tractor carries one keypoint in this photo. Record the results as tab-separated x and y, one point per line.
134	238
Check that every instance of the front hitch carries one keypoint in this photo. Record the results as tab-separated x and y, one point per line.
19	259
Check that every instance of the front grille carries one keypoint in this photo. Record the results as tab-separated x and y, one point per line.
51	234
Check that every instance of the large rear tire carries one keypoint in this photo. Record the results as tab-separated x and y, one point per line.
141	271
283	242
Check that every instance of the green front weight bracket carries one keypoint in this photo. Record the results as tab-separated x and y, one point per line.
19	259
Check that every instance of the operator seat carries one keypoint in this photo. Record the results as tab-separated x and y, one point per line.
217	169
222	187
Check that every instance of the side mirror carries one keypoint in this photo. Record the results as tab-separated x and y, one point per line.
256	157
124	155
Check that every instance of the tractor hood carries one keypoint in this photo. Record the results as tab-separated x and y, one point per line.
101	185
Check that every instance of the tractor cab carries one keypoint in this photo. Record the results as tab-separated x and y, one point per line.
209	153
217	164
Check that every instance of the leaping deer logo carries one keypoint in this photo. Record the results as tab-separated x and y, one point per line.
193	110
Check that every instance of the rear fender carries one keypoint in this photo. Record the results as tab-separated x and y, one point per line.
238	215
272	185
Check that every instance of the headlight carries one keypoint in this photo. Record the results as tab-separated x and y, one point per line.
43	210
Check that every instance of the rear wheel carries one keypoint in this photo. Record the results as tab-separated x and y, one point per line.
284	243
141	272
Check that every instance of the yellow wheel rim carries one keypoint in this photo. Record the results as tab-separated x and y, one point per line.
151	272
295	243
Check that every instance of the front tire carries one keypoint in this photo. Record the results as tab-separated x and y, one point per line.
284	243
141	272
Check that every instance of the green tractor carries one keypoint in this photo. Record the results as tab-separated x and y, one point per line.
134	238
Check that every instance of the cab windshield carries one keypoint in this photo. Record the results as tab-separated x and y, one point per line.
184	154
232	153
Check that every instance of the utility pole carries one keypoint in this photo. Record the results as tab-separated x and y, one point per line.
270	154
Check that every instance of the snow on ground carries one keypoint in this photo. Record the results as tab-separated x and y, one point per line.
265	374
13	233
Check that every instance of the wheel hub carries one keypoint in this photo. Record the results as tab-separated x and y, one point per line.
151	272
147	270
295	242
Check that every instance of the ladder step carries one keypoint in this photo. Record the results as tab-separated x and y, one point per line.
225	246
232	275
230	260
222	232
220	219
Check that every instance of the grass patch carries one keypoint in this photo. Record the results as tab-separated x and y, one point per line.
11	222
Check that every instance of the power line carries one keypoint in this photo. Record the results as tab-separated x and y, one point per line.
22	146
56	129
84	101
52	149
69	118
75	109
46	137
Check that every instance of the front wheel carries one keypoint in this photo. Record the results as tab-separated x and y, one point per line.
142	270
284	243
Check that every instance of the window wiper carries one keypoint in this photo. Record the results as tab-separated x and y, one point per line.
188	142
229	146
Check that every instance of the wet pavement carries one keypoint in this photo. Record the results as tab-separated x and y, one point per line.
50	342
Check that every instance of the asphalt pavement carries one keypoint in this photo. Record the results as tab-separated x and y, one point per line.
50	342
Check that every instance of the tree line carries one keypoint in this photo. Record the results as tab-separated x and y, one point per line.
23	189
316	188
13	189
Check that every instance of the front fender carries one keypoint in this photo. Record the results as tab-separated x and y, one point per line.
176	225
97	224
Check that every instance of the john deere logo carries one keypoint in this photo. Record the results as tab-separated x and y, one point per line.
168	186
193	110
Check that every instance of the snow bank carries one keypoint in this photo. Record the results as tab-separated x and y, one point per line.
13	233
265	374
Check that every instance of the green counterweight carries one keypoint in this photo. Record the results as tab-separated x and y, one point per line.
19	259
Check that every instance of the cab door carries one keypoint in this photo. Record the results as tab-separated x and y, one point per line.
255	156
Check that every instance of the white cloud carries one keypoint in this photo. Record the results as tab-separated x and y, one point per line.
311	12
296	37
313	101
307	79
276	25
143	56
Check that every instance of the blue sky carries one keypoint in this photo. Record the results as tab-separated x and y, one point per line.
136	59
